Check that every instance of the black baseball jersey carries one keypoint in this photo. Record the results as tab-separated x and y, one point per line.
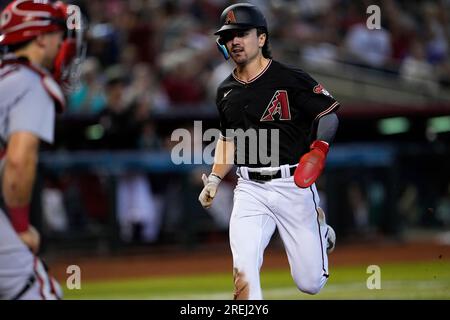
280	97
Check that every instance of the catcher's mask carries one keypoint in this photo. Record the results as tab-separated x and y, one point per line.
24	20
240	16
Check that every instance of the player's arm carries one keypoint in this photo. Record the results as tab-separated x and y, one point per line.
312	163
223	162
223	157
17	184
327	128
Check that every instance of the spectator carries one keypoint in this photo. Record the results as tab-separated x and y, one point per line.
359	207
139	212
370	48
120	130
89	98
181	81
416	70
145	87
437	36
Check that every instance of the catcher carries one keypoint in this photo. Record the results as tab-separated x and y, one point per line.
39	50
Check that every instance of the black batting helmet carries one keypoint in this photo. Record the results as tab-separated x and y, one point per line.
241	16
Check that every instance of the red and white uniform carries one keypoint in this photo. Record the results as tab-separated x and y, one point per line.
25	105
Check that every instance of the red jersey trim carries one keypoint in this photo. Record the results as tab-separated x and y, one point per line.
329	110
255	78
51	87
39	278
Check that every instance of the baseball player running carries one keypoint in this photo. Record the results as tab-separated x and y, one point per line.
262	93
36	38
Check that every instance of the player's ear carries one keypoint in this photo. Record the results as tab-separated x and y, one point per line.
262	40
40	40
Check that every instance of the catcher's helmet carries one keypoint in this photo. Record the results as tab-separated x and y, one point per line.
23	20
241	16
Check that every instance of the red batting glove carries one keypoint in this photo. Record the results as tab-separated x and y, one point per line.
311	164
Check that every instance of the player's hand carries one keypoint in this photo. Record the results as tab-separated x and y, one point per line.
31	238
209	191
311	164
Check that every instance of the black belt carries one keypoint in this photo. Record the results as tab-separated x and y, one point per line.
258	176
25	288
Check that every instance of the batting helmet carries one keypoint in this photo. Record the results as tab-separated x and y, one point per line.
23	20
241	16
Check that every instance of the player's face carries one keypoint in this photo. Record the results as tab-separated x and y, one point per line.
52	43
243	45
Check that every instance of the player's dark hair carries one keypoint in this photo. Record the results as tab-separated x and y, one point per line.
266	48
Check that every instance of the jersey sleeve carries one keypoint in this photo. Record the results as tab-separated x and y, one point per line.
313	98
33	111
225	128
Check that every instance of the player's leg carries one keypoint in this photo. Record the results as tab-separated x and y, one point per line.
16	260
251	227
303	236
44	287
22	275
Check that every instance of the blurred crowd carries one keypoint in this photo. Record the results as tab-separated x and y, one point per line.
147	58
158	56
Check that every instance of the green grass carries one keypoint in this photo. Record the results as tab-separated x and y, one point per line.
427	280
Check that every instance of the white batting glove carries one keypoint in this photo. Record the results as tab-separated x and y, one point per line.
209	190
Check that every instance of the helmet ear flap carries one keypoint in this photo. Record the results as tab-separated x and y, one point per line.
222	48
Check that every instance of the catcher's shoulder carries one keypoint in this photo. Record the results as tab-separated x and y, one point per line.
19	75
17	80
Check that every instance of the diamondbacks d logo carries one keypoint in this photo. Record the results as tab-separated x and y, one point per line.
279	104
230	17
